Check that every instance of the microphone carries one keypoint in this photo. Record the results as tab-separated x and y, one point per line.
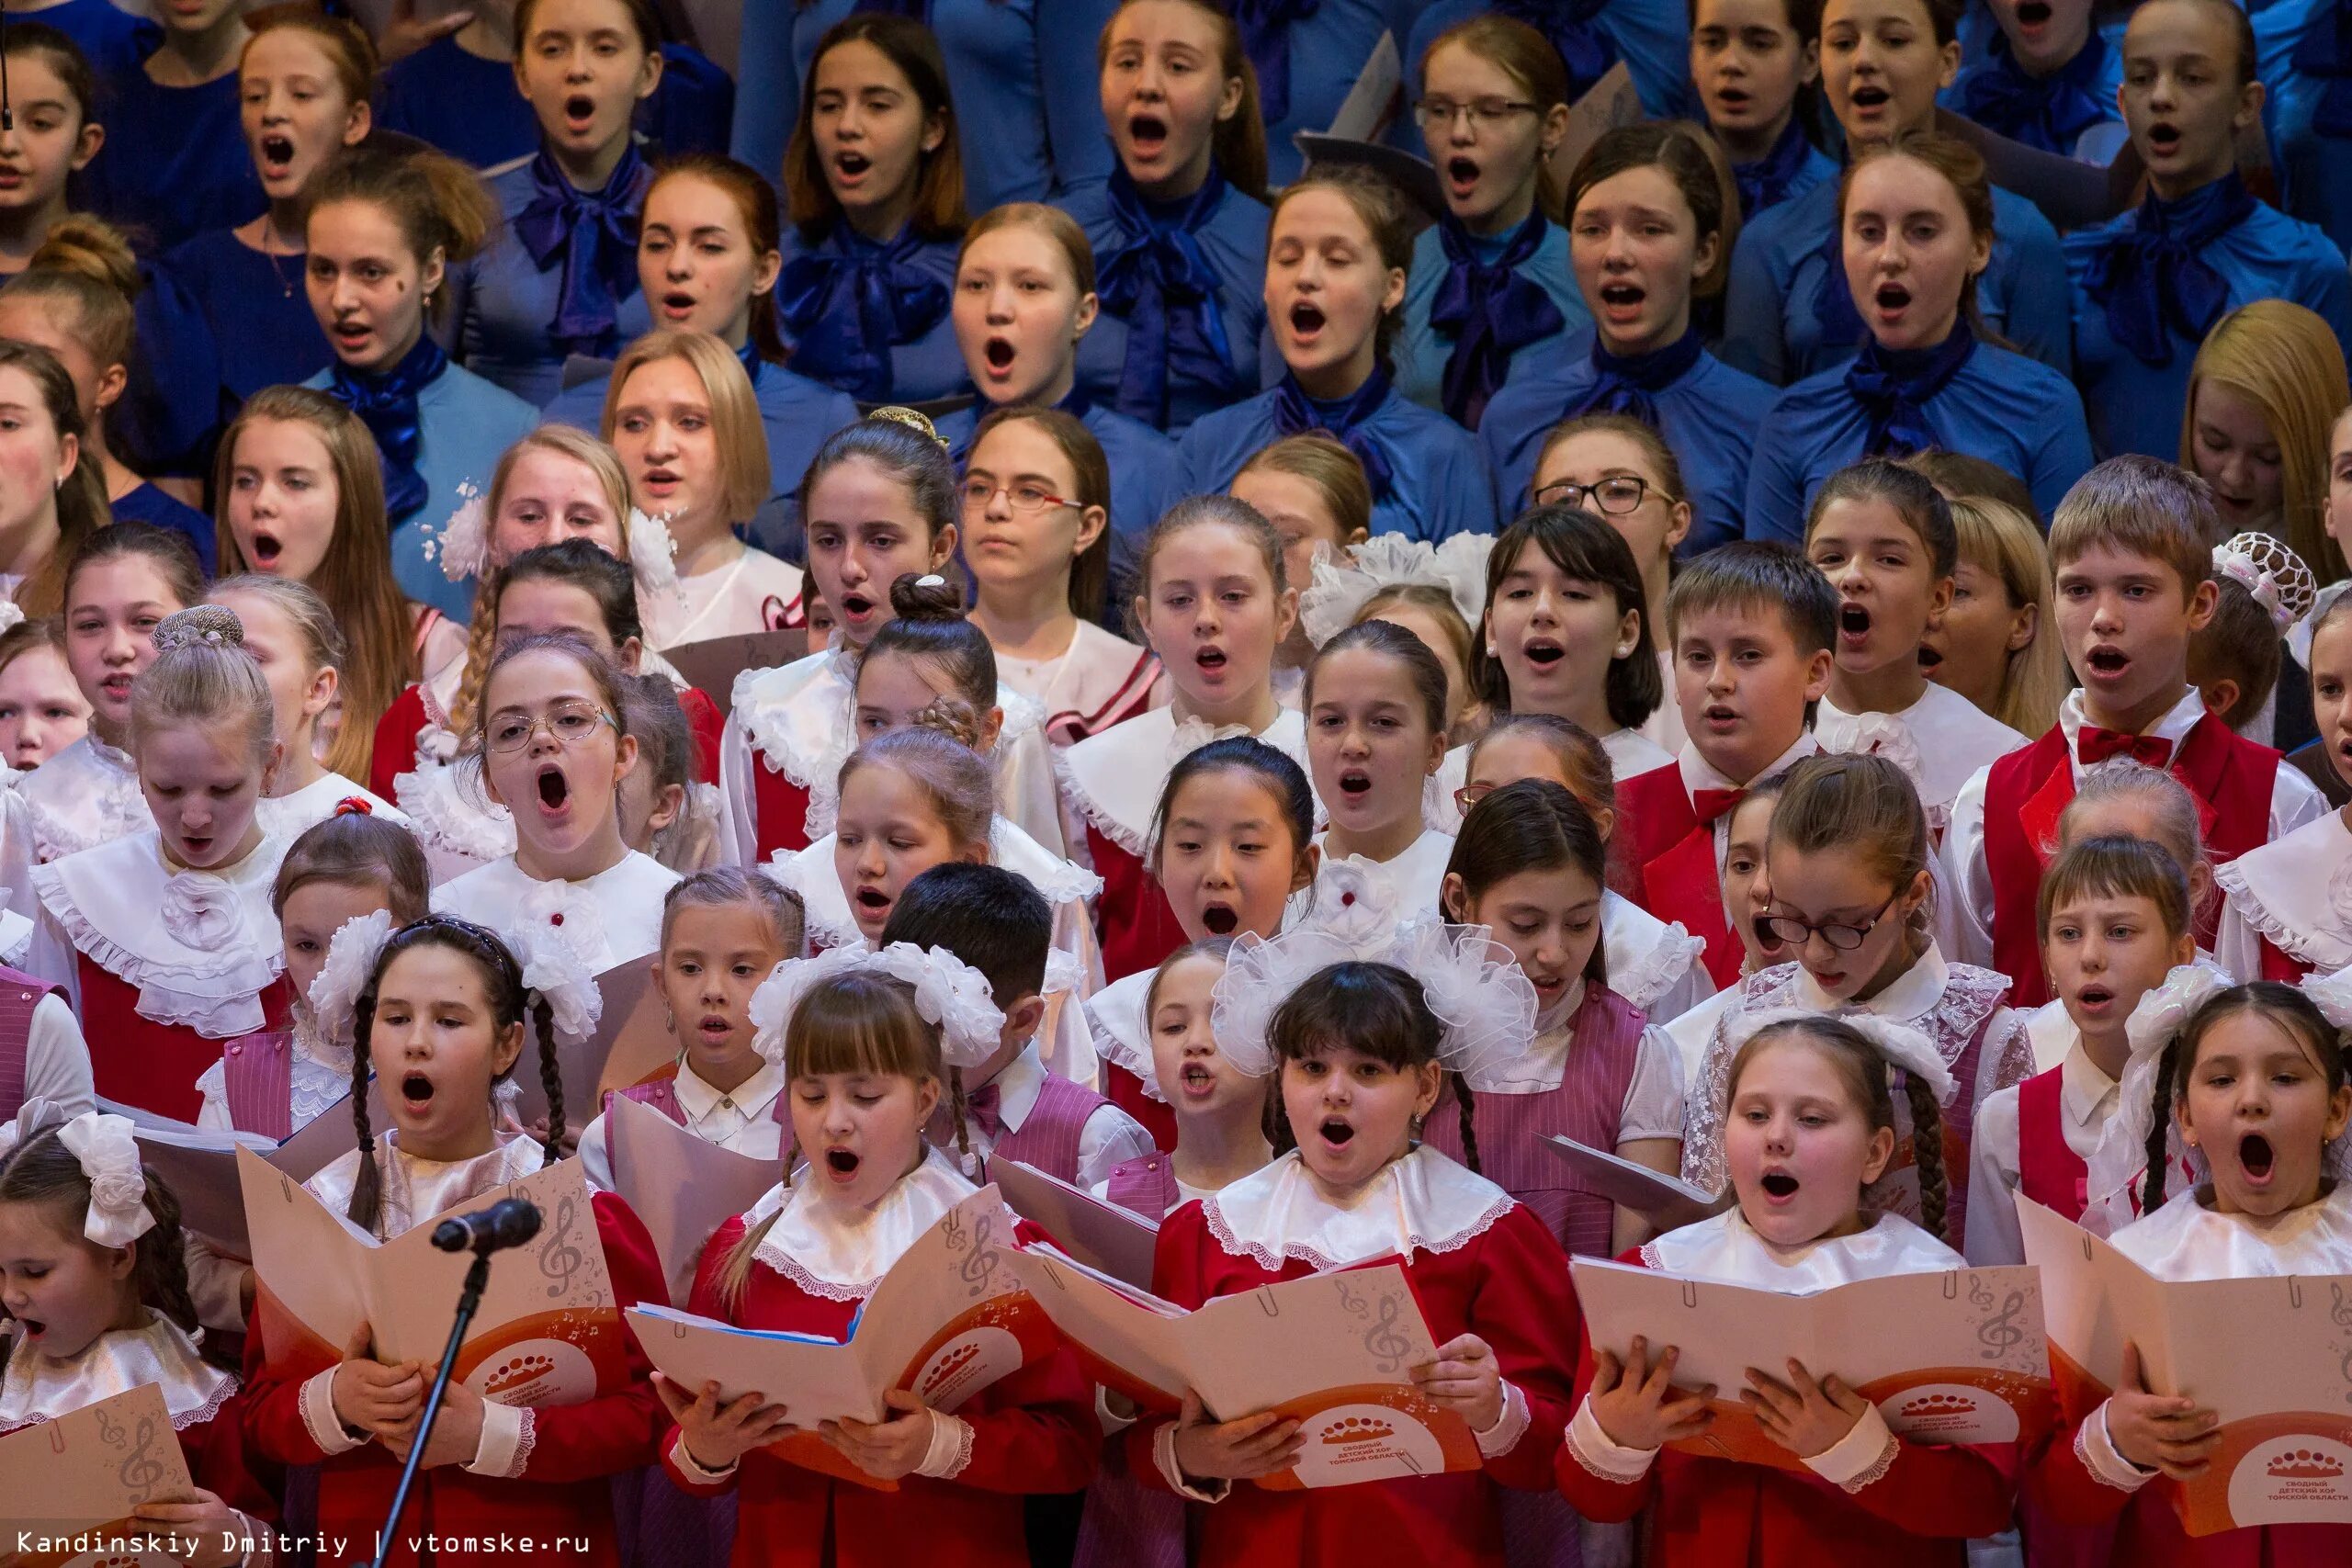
510	1221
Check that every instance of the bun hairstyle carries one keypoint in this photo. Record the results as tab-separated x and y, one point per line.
42	1170
202	675
1377	1010
1865	1071
928	623
510	1003
1424	673
2287	1006
86	264
1528	825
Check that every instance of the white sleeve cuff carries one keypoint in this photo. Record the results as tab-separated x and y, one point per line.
1108	1419
1860	1457
2094	1445
505	1445
1602	1455
1163	1456
694	1472
320	1421
951	1446
1509	1428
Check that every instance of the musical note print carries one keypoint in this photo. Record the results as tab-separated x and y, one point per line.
976	1268
1980	1293
141	1471
1352	1301
560	1258
1385	1341
2339	1312
951	1231
2001	1333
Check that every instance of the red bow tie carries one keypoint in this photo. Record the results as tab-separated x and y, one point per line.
983	1106
1707	805
2094	746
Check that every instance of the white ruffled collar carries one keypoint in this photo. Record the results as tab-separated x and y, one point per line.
799	716
445	805
2186	1240
2297	891
85	795
1646	957
1115	1016
1724	1246
36	1388
607	919
1414	876
289	815
1422	1203
841	1256
1112	780
811	873
200	946
417	1189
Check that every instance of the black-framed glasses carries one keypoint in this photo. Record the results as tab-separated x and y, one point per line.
1024	497
1612	497
1438	114
568	724
1787	931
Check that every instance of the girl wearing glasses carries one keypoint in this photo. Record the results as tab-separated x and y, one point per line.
1334	289
554	745
1652	216
1916	217
1490	287
1847	862
1037	543
1025	303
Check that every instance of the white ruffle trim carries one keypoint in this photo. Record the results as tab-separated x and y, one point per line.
1267	1258
768	719
523	1443
1061	881
2292	940
1111	1042
1660	969
220	999
1878	1468
434	799
1134	840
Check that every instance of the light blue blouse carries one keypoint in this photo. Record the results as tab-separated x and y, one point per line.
1420	351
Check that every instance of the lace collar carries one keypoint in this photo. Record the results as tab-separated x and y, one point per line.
2297	891
1725	1247
1112	780
417	1188
841	1256
799	716
1422	1203
200	946
34	1388
445	805
813	874
2186	1240
85	795
1646	957
1114	1018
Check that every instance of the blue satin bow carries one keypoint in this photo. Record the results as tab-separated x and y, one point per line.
386	404
1295	413
2153	278
1765	182
2050	112
1572	26
1893	386
847	302
1490	309
1162	284
1627	383
594	234
1265	38
2325	53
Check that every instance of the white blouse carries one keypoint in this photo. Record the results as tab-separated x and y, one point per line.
607	919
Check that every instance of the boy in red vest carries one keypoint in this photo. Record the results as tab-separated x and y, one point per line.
2132	550
996	921
1752	627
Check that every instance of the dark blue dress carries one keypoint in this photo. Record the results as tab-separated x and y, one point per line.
1479	310
257	311
150	505
2303	49
175	164
2071	112
1707	411
872	320
1792	167
471	107
110	37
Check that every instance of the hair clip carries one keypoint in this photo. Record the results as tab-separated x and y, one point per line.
914	419
213	626
2274	574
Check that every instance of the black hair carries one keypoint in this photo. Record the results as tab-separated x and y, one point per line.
1375	1010
915	459
2288	1007
992	918
1585	548
928	623
1244	754
605	577
1528	825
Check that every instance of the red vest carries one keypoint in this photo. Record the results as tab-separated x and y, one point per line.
779	809
2025	791
137	1061
1124	1090
1138	926
1672	857
2049	1172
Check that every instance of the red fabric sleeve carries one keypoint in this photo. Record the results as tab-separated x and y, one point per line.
709	727
1597	1497
1525	1309
617	1432
1951	1492
269	1409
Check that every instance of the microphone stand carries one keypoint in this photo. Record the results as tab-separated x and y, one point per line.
469	1302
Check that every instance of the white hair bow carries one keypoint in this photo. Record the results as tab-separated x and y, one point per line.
108	1155
1899	1044
949	993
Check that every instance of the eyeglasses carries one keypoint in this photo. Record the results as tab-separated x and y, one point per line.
567	724
1614	497
1469	795
1787	931
1437	114
978	493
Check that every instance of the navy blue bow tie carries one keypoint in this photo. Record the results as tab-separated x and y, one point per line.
1490	309
1572	28
387	405
593	234
1629	383
1893	386
2154	279
1162	284
849	302
1265	36
1765	182
2048	112
1295	413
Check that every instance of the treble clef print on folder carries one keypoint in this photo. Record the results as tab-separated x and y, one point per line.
141	1471
2001	1333
560	1256
980	1264
2339	1312
1383	1341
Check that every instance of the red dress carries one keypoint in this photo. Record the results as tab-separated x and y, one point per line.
1032	1432
1922	1510
1503	1278
1672	852
569	1455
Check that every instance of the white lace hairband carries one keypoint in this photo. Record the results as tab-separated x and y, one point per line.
107	1152
1339	587
949	993
2274	574
1902	1045
554	970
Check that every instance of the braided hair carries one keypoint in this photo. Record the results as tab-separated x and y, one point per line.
1866	1072
2287	1006
510	1004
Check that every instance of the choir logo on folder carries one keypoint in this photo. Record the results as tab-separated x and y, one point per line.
1950	1413
966	1364
1367	1441
536	1371
2301	1476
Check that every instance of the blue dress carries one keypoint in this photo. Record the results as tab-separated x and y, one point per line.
2013	411
509	307
470	108
798	414
169	414
2071	112
1428	478
1527	316
2228	249
1308	55
1707	411
258	312
2303	48
110	37
1652	37
1021	73
1146	474
465	425
1792	167
147	504
175	163
872	320
1773	325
